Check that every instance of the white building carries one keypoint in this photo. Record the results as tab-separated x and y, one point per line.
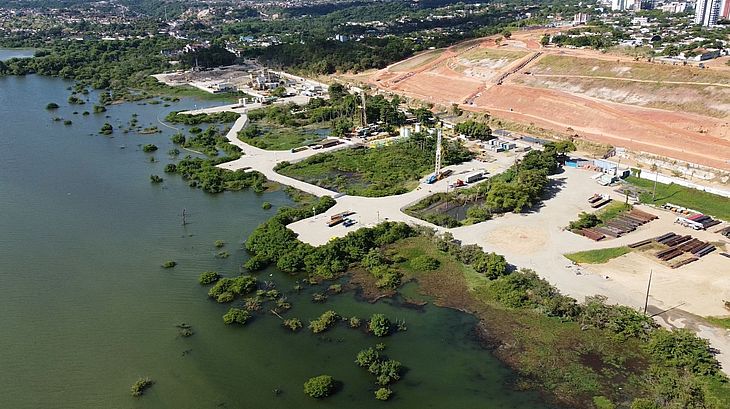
708	12
674	7
581	18
618	5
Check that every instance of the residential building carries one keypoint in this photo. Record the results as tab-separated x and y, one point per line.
618	5
708	12
675	7
581	18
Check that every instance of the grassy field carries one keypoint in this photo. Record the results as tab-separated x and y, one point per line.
704	202
719	322
188	91
599	256
278	138
418	60
376	172
476	54
565	65
612	210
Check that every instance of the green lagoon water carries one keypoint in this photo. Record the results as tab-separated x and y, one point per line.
86	309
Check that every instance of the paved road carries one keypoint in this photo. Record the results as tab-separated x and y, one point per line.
533	240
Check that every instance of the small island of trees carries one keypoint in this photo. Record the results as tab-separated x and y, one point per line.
319	387
106	129
141	385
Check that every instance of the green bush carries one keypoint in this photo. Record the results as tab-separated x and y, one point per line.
367	357
623	321
383	394
585	220
149	147
225	297
234	286
170	168
602	402
425	263
74	100
294	324
155	179
324	322
525	289
106	129
141	385
52	105
681	348
319	386
204	174
197	119
255	263
169	264
208	277
266	205
236	316
492	265
474	129
388	372
178	138
643	403
379	325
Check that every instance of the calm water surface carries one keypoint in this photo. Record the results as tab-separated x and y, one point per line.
8	53
85	308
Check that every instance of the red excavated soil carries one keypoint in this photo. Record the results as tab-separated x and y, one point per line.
690	137
672	134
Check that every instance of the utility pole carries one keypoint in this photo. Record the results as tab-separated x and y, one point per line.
437	168
364	110
648	287
656	178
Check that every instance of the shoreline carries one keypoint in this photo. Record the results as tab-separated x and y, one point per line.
541	250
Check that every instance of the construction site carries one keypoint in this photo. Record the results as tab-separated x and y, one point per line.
685	251
255	82
668	112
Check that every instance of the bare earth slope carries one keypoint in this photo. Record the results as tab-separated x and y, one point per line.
601	98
